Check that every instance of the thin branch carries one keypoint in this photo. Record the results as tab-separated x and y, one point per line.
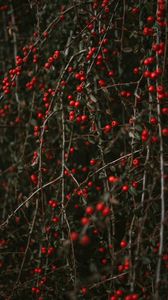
28	199
162	186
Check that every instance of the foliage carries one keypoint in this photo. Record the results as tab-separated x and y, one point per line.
84	143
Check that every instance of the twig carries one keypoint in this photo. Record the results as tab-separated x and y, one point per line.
108	165
162	196
28	199
106	280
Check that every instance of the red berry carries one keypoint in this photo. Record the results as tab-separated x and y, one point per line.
89	210
34	179
43	250
136	162
106	211
151	88
135	10
55	219
147	74
119	293
100	206
114	123
120	268
123	244
147	31
102	249
150	19
153	121
92	162
160	89
104	261
84	118
136	71
111	73
79	88
57	54
129	297
135	296
102	83
85	240
145	135
84	290
85	221
165	131
113	298
74	235
90	184
125	188
113	179
107	129
135	184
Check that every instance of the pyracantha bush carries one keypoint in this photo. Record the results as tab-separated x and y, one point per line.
83	150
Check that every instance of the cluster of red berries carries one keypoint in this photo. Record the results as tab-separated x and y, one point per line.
4	7
52	59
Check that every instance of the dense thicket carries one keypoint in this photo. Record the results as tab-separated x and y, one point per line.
83	150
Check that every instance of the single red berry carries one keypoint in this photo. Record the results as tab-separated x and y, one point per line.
74	235
90	184
104	261
135	10
113	297
136	162
165	131
85	221
111	73
85	240
150	19
160	89
120	268
102	249
136	70
43	250
84	290
106	211
102	83
100	206
125	188
33	289
57	54
71	150
151	88
119	293
129	297
114	123
153	121
153	75
77	104
92	162
135	184
84	118
55	219
34	179
107	128
123	244
89	210
147	74
45	34
54	204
